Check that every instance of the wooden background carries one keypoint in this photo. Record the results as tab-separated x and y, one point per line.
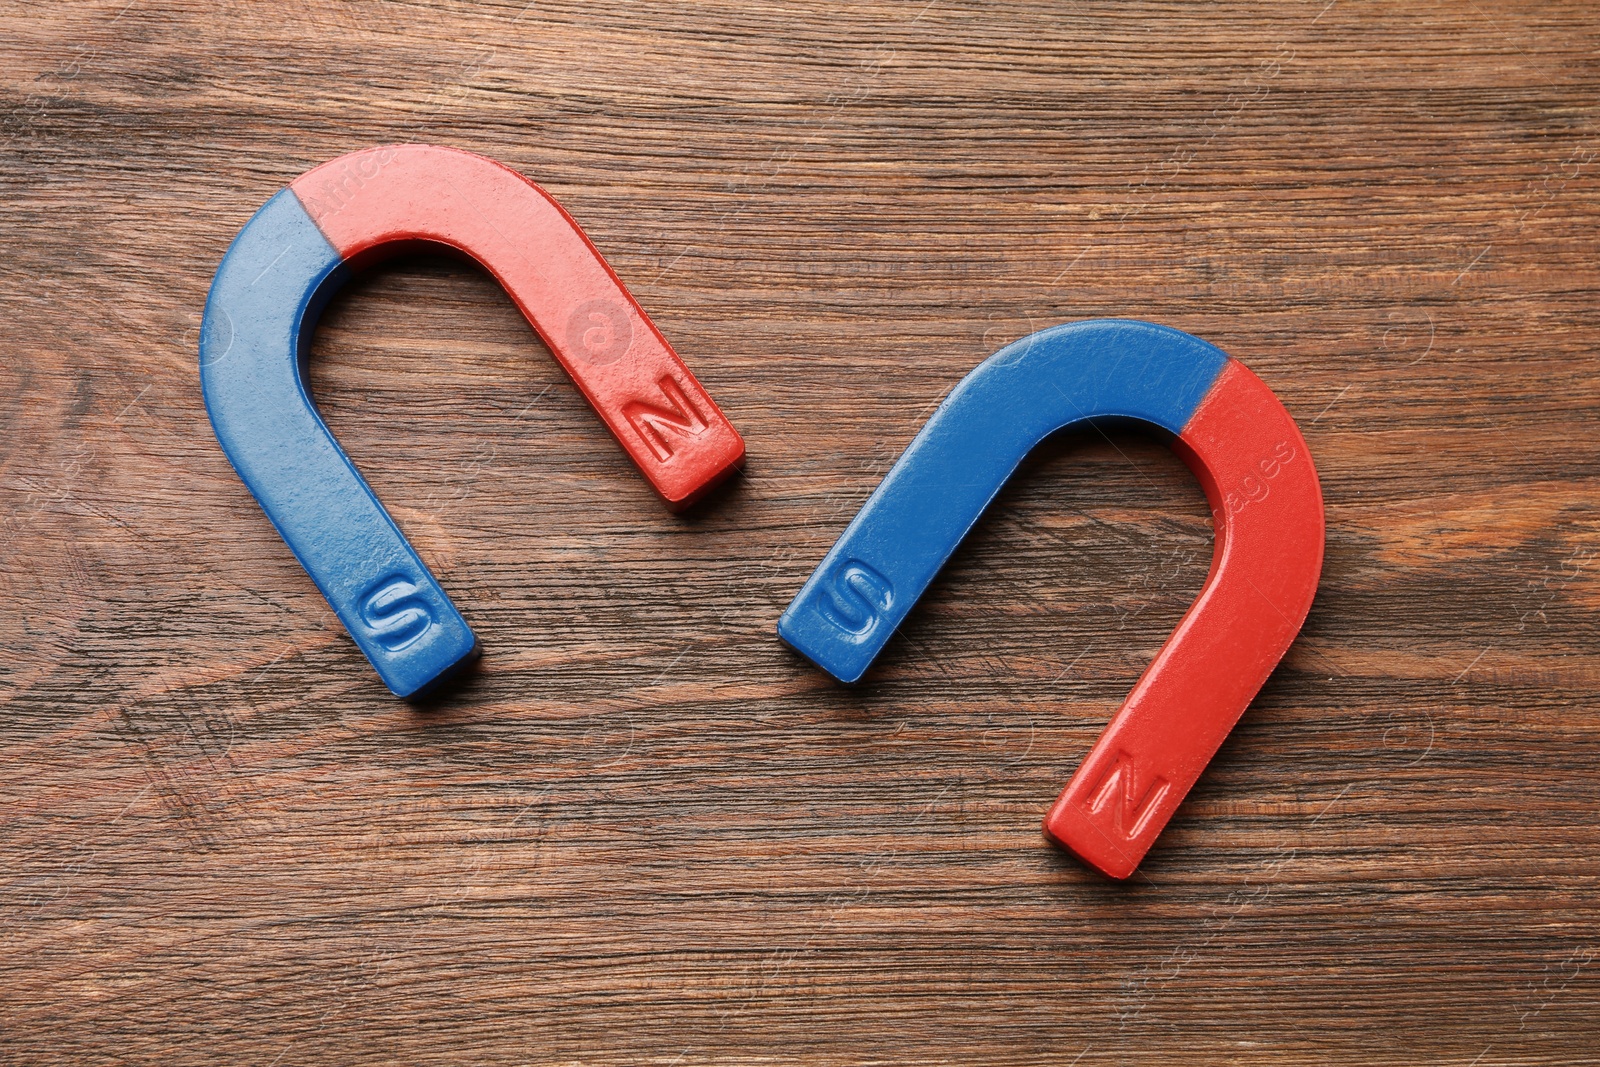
647	833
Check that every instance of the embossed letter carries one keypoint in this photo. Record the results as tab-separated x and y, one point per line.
398	616
856	599
1130	810
654	424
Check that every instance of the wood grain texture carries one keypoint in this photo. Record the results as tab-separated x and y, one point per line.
646	833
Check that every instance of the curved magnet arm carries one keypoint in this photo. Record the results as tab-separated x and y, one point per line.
1266	503
371	203
938	488
265	299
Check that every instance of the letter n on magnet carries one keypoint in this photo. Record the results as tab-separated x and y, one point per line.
1121	802
660	427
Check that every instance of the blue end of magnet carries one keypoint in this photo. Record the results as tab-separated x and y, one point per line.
268	291
1103	369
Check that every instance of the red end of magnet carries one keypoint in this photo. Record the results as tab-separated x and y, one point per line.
387	198
1267	505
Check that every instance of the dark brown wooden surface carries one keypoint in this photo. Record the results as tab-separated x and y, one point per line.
647	833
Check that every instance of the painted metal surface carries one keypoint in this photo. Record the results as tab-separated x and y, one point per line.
287	262
1266	502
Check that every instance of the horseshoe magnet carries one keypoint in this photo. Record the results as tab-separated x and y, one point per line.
1265	501
273	283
